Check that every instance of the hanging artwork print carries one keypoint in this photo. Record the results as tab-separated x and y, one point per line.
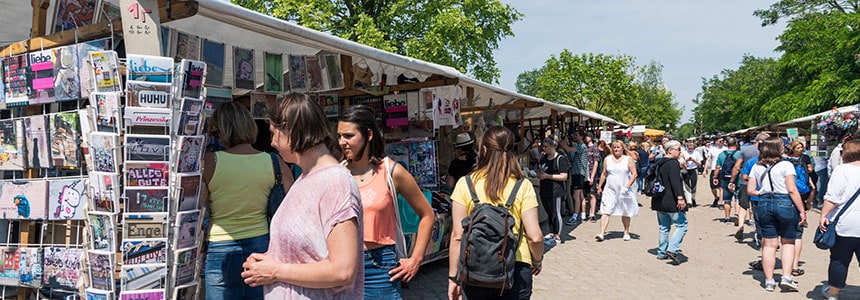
103	149
146	200
213	56
332	74
446	106
62	268
185	266
36	139
190	115
192	72
420	159
143	277
243	68
42	76
17	80
396	110
64	139
30	274
189	195
141	252
187	226
25	200
145	226
67	85
101	270
104	196
315	76
142	295
11	146
139	147
146	174
11	266
107	108
329	105
187	46
85	66
260	105
71	14
274	67
102	231
66	199
298	73
105	71
190	151
92	294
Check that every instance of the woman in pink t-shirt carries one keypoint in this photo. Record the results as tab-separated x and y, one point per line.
316	235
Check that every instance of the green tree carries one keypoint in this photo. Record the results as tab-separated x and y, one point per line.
658	106
459	33
687	130
527	82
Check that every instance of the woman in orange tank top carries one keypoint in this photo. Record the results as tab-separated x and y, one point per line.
363	147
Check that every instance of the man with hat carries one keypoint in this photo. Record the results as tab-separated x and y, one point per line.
464	158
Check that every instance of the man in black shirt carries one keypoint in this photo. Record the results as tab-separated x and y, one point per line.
464	158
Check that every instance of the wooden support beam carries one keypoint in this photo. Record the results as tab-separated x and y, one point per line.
40	17
404	87
176	10
520	104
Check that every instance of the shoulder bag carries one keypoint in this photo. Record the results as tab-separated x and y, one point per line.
825	240
400	239
276	196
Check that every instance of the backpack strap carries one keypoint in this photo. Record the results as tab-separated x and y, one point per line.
513	195
471	188
767	173
276	166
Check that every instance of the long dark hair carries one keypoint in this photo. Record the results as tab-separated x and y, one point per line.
364	117
497	161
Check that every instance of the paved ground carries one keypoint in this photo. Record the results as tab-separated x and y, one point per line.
714	265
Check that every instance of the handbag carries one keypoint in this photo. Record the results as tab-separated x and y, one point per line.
276	196
825	240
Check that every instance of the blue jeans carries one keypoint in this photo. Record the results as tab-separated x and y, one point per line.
377	263
224	268
823	179
665	220
778	217
840	259
522	287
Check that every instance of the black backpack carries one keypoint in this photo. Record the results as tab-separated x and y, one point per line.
488	247
728	165
653	185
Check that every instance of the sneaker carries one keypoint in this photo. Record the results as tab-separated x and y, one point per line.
769	286
739	235
549	241
599	237
736	221
825	293
788	283
626	237
572	220
662	257
593	219
674	257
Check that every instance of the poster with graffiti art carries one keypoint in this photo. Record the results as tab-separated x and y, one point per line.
190	151
140	147
62	268
102	231
103	149
142	295
192	72
146	200
260	105
11	145
85	66
30	274
65	128
67	85
42	76
143	277
147	94
101	270
25	200
141	252
66	199
93	294
185	292
105	71
298	73
243	69
11	266
420	159
145	226
146	174
191	113
107	106
71	14
315	76
189	193
213	55
150	69
273	68
187	46
17	80
187	227
185	266
104	192
36	138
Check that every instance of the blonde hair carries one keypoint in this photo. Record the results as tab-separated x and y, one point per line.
633	145
235	124
621	144
645	146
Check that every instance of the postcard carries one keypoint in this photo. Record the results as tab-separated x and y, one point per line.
187	227
85	66
36	137
102	231
189	195
143	277
148	94
67	84
146	200
65	133
142	295
31	267
62	268
147	174
190	153
107	106
17	79
104	151
145	116
42	76
140	147
105	71
185	292
66	199
104	193
11	267
24	200
145	226
192	73
190	117
101	270
93	294
185	266
150	69
11	146
140	252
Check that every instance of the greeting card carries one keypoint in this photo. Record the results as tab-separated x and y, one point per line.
62	268
102	231
36	136
25	200
104	192
101	266
66	199
139	147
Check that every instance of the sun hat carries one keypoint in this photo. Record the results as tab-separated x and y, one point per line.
463	139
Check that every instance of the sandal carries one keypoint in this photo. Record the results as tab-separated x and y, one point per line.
797	272
756	265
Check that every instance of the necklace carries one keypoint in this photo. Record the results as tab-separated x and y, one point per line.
363	174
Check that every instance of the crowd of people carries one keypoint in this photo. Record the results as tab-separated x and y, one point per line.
344	241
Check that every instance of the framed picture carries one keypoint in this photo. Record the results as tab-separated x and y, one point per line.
102	231
103	149
101	270
140	147
24	200
36	137
187	227
190	153
243	69
31	267
140	278
145	226
147	174
146	200
62	268
104	192
142	252
66	199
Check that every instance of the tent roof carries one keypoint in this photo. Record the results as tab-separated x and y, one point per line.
810	118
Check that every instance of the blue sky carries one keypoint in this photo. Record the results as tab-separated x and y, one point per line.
691	39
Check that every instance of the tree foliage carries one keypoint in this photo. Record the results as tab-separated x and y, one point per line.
458	33
612	85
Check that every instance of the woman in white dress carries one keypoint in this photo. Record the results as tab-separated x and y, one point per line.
619	196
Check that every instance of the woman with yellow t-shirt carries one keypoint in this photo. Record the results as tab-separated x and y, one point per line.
494	177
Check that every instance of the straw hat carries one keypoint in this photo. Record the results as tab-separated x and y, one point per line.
463	139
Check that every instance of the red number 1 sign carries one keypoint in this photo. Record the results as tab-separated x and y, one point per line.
138	12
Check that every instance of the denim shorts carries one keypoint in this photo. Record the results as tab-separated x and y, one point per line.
224	268
377	263
778	217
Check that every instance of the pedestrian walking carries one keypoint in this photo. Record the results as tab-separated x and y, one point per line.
671	206
552	174
619	196
842	187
